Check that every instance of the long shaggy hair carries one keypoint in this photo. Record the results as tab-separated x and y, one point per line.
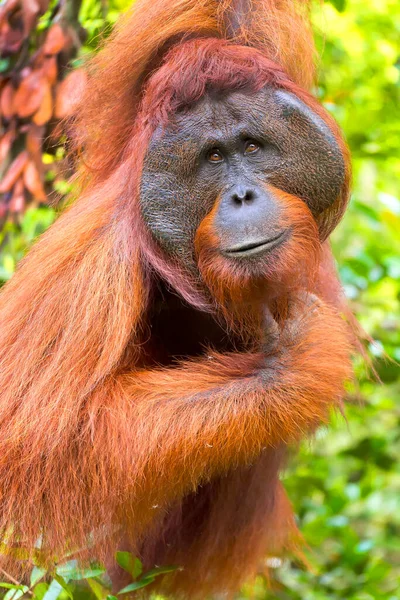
79	457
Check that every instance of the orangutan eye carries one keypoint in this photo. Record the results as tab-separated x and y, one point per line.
215	156
251	147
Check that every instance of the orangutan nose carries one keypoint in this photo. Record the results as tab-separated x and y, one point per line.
242	195
248	217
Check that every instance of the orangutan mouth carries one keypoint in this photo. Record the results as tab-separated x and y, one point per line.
256	247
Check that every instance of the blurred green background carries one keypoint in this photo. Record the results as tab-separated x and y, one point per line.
345	485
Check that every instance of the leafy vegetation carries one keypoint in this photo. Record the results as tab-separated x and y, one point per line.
345	485
67	580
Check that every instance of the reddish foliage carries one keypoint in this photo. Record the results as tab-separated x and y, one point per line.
29	93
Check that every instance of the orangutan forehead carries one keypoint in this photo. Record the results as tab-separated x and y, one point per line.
275	114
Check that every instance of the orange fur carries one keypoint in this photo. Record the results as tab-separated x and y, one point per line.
179	462
280	30
286	270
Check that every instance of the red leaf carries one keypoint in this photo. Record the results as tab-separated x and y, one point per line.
44	5
34	139
50	69
3	209
29	95
33	181
14	171
55	40
6	8
7	101
17	201
70	92
46	108
30	11
10	39
5	144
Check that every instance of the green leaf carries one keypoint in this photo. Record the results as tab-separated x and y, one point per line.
4	64
54	590
64	585
9	264
71	571
99	591
36	575
87	573
137	568
340	5
40	590
12	586
65	569
137	585
161	571
129	563
14	594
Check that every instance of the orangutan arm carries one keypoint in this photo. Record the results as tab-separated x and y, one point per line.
142	441
204	417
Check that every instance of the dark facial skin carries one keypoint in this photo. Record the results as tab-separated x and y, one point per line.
228	148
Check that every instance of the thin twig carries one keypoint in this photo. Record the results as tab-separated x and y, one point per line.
15	582
10	577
